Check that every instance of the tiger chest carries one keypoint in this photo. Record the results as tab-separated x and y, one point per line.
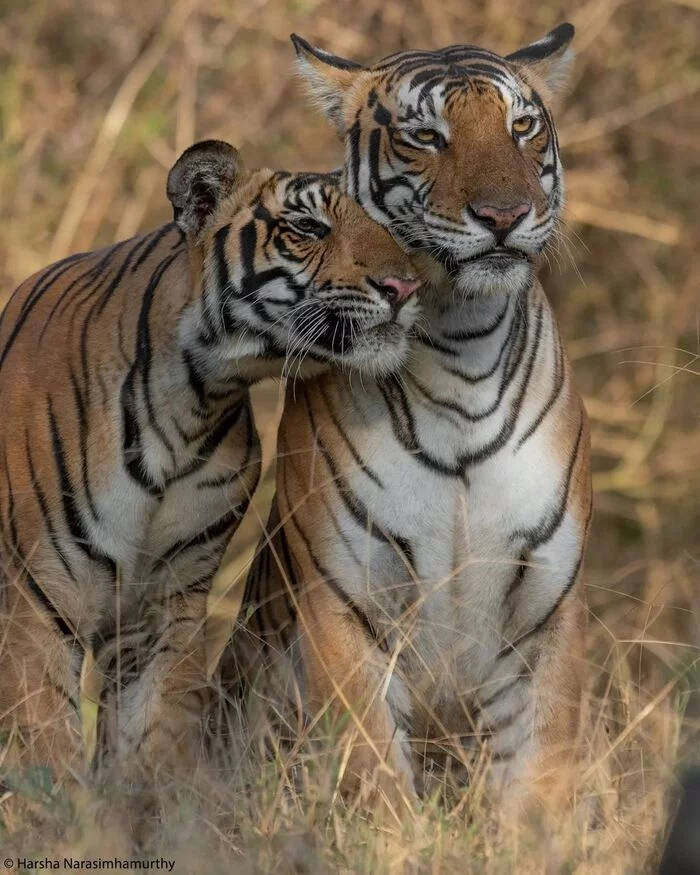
177	534
436	567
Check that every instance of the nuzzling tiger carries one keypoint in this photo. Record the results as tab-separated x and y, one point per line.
429	527
128	453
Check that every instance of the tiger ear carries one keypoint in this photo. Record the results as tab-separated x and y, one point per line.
201	178
328	78
549	59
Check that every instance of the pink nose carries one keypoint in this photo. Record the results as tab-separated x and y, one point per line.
500	218
399	288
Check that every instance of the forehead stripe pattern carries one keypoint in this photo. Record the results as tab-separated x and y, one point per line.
427	78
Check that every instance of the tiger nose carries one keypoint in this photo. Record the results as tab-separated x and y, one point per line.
499	219
398	288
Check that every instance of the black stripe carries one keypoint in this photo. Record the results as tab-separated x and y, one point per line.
83	422
504	690
328	578
538	535
45	513
320	387
478	333
93	277
557	384
193	378
502	438
222	526
52	612
353	504
158	235
71	512
132	445
211	442
45	281
223	278
143	347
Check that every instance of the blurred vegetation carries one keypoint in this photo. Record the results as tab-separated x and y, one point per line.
98	97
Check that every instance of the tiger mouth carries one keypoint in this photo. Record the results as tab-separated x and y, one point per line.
495	255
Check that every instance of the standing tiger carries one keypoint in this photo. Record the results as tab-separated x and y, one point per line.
128	453
429	528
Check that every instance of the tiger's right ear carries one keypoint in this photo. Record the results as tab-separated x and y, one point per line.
201	178
328	78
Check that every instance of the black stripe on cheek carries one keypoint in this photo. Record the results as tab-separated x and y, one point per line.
248	238
222	274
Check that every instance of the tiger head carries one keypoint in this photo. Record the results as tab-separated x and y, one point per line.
289	266
454	150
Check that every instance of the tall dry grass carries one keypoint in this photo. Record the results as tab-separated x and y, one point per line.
97	98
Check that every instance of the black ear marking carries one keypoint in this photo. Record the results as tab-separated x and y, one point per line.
201	178
548	60
553	42
304	48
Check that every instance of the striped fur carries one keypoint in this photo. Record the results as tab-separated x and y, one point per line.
128	452
430	527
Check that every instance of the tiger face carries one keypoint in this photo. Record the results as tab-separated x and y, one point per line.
454	150
290	266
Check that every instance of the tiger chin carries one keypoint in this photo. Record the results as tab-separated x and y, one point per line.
128	451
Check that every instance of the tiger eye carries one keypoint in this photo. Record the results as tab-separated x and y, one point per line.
524	124
427	136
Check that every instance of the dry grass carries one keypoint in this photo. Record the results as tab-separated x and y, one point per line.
97	97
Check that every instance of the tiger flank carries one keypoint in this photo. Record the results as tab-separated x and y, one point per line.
128	453
433	524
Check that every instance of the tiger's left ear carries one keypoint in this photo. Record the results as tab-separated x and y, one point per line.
549	60
328	79
201	178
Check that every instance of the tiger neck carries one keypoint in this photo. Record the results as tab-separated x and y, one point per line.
227	358
458	327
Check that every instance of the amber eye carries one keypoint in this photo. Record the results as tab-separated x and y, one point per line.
524	125
427	136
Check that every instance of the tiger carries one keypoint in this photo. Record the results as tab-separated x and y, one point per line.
128	450
421	578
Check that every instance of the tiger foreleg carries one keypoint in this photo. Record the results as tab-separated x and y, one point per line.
346	676
535	755
40	660
155	697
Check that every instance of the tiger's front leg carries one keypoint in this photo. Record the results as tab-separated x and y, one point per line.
542	770
40	662
347	674
155	692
